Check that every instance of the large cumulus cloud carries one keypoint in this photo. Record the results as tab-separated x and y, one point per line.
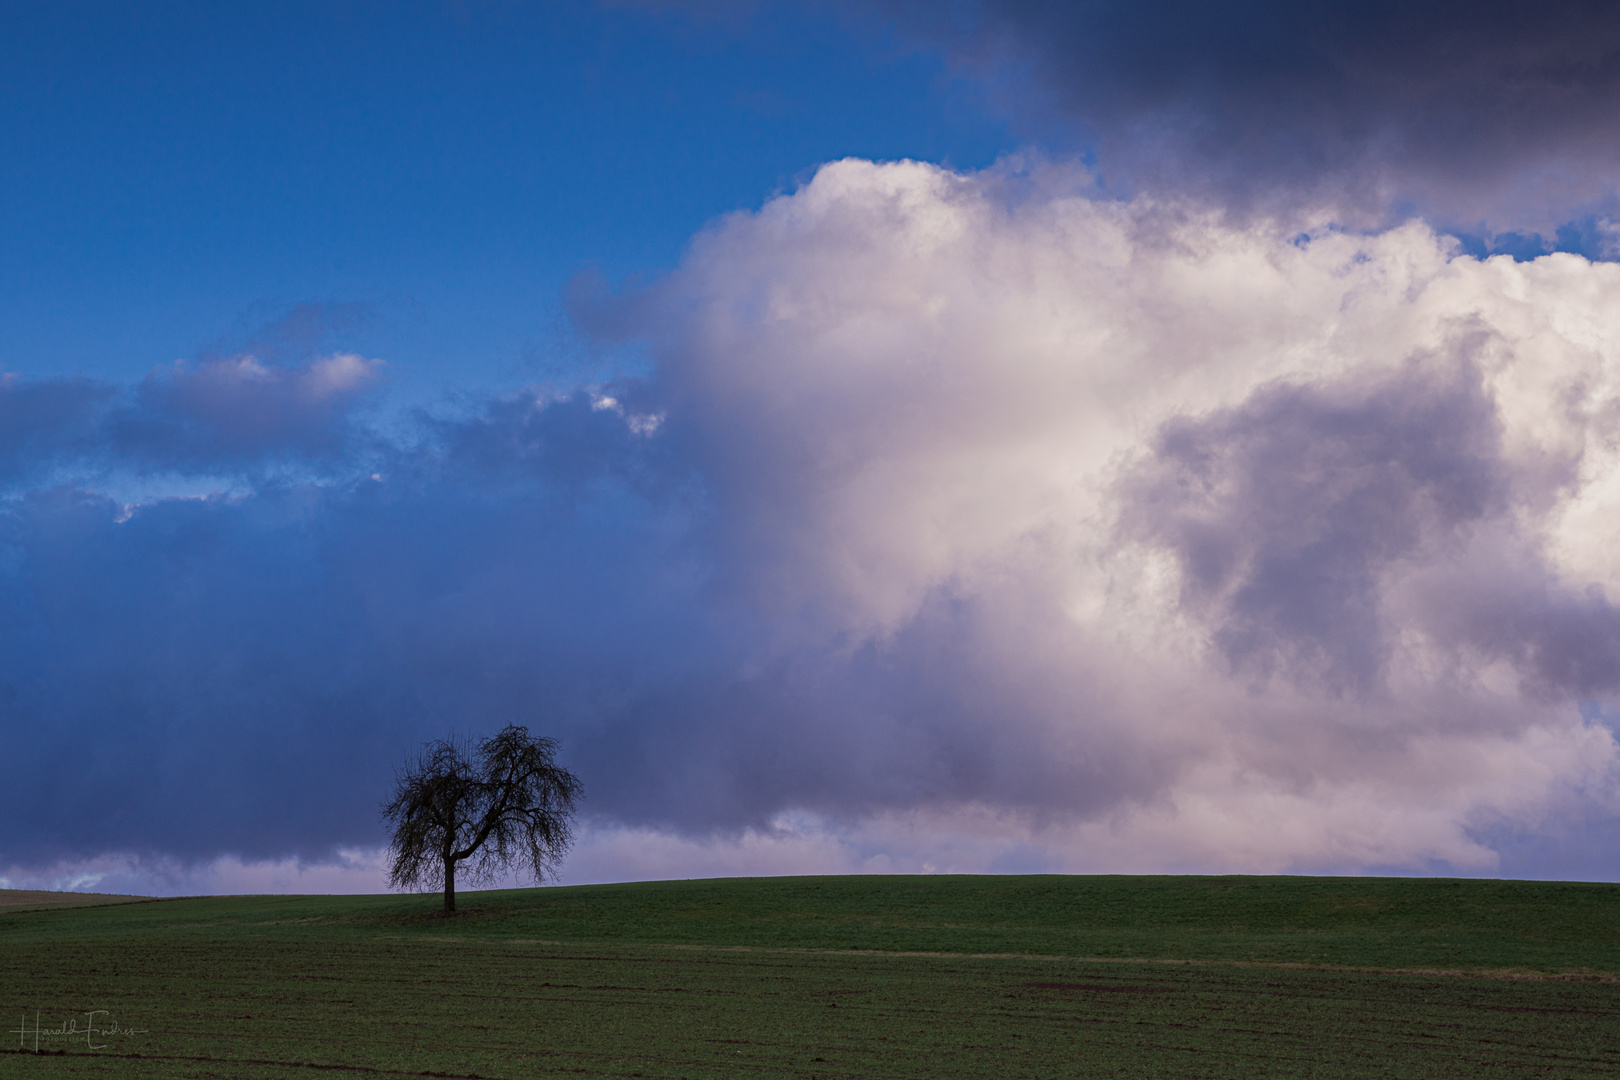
962	513
1146	487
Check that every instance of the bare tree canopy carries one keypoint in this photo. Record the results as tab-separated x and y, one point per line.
502	803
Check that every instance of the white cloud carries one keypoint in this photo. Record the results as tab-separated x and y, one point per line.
918	388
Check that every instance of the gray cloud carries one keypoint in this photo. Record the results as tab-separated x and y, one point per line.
41	422
1288	511
236	408
1317	524
225	413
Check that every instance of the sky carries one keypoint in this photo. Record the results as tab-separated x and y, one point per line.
990	437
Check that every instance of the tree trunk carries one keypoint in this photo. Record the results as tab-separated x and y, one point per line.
449	886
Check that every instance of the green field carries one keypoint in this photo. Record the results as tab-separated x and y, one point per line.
981	977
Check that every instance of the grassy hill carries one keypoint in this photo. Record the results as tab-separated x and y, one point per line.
850	976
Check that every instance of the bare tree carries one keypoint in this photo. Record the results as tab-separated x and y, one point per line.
501	803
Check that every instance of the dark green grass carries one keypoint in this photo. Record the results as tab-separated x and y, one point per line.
1403	923
1140	977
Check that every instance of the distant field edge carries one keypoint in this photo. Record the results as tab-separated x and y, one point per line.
41	899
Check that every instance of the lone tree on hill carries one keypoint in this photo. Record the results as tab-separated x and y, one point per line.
501	803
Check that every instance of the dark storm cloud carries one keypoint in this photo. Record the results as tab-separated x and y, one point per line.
1499	111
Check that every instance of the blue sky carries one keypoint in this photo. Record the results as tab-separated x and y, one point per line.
1013	436
178	177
